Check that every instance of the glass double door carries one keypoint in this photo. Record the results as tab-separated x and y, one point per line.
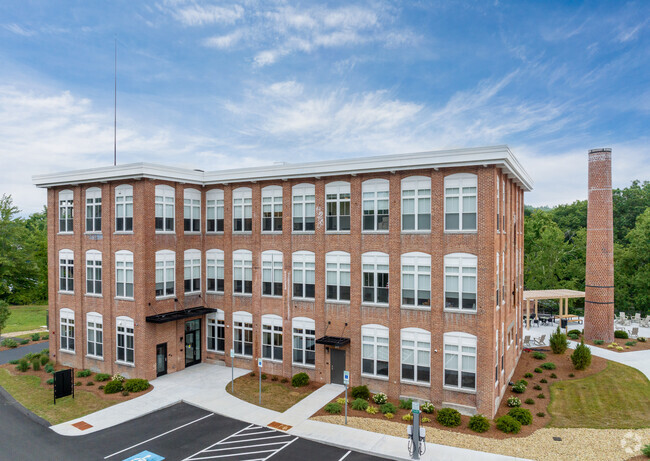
192	342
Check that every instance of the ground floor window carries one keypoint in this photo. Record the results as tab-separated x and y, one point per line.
67	330
216	332
374	353
272	337
416	355
304	341
95	335
243	334
460	360
125	349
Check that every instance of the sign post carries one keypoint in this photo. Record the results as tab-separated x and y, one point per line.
232	367
259	365
346	381
415	408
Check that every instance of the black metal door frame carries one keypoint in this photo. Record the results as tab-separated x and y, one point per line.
196	350
337	365
161	349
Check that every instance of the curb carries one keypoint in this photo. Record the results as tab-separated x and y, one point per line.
11	401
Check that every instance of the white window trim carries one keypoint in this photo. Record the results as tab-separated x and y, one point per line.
244	260
461	261
460	180
338	258
273	193
164	192
418	260
242	194
272	320
272	257
215	319
92	194
122	194
192	196
65	317
218	257
416	335
376	331
216	196
66	196
460	339
302	191
124	257
68	255
124	322
417	184
303	258
95	318
243	318
165	257
374	186
375	259
304	324
338	188
95	256
189	262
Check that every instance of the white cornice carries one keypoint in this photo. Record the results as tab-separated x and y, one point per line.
500	156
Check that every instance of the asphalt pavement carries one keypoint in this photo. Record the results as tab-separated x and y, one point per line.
18	352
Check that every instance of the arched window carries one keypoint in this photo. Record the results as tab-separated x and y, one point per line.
66	329
94	334
272	273
460	360
165	273
191	210
242	210
337	276
242	265
337	205
93	272
304	341
66	271
124	208
375	194
460	281
214	260
125	340
216	335
375	277
416	280
242	333
94	209
272	337
124	274
165	207
460	202
272	209
304	274
416	203
66	211
304	207
192	271
214	210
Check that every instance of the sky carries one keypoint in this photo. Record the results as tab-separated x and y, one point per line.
215	85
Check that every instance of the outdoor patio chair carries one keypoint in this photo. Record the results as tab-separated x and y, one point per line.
645	323
527	341
540	341
621	319
634	333
637	318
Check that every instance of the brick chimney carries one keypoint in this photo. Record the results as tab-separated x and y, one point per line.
599	277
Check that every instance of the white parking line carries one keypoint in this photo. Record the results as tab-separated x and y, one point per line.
345	456
247	446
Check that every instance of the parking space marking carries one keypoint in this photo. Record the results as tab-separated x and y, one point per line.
238	446
345	456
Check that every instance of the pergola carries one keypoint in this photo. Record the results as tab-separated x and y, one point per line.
561	295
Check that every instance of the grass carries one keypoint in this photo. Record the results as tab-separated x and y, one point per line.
25	318
275	396
617	397
28	391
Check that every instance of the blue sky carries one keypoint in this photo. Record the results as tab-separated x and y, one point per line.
228	84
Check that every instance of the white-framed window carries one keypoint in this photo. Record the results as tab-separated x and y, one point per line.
271	273
165	273
304	207
216	335
460	202
66	211
374	350
95	341
272	337
242	272
124	344
375	277
304	341
503	276
93	272
191	210
94	209
460	360
124	274
460	281
165	206
192	271
124	208
416	280
214	210
304	274
375	194
337	205
272	209
497	280
416	203
66	271
416	355
242	214
242	333
337	265
66	329
214	260
503	216
498	206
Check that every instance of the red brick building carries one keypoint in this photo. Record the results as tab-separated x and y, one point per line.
404	269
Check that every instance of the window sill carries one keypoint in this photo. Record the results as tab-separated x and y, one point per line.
303	232
214	293
416	231
302	365
65	233
371	232
378	378
243	295
214	232
272	296
271	360
94	357
192	293
126	364
123	233
459	389
165	233
384	305
304	300
473	231
414	383
461	311
192	232
271	232
416	308
240	356
333	232
93	295
162	298
122	298
93	233
66	351
65	292
336	301
214	351
242	232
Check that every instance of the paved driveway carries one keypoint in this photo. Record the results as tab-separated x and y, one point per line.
17	353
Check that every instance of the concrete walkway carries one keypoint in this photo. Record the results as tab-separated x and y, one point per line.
303	410
637	359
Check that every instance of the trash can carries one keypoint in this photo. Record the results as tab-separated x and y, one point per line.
564	323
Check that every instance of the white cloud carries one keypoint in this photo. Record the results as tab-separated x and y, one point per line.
198	15
19	30
224	41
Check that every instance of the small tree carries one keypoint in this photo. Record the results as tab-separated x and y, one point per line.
581	357
558	342
5	313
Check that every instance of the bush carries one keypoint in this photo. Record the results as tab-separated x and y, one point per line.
78	383
341	401
49	368
573	336
529	401
45	336
548	366
541	396
264	376
30	355
528	375
113	387
389	415
23	365
538	370
619	348
428	407
360	392
102	377
508	424
641	339
539	355
553	375
479	423
50	381
118	377
45	352
646	450
541	414
522	381
519	388
36	364
136	385
630	343
571	375
599	342
406	404
448	417
380	398
513	402
36	337
407	417
300	380
100	387
333	408
13	362
251	374
125	393
425	420
44	359
581	356
537	387
274	378
22	342
543	381
558	342
522	415
620	334
83	373
388	408
90	383
9	342
359	404
371	410
574	332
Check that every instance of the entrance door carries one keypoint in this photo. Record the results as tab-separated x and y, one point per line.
192	342
337	359
161	359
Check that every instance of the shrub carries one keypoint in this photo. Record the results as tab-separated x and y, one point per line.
599	342
646	450
581	356
83	373
45	352
428	407
538	370
252	374
519	388
448	417
619	348
45	336
50	381
548	366
541	414
22	342
513	402
529	401
36	364
558	342
388	408
528	375
90	383
380	398
333	408
23	365
102	377
78	383
508	424
389	415
574	332
13	362
49	368
300	380
641	339
36	337
125	393
407	417
29	356
543	381
341	401
479	423
537	387
522	381
136	385
264	376
630	343
522	415
406	404
274	378
610	346
371	410
100	387
573	336
9	342
553	375
118	377
284	380
571	375
425	420
113	387
539	355
44	359
360	392
621	334
541	396
359	404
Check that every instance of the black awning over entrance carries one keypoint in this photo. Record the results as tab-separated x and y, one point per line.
179	315
335	341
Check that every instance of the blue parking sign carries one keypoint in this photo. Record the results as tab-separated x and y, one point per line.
145	456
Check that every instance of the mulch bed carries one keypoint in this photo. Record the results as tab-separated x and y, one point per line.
639	346
2	348
527	364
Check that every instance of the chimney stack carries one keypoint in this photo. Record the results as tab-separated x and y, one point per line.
599	277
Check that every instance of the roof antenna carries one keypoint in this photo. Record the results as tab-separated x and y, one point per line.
115	109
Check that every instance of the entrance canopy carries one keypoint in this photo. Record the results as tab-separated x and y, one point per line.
562	295
179	315
335	341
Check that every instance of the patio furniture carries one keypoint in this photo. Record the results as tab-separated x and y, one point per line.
637	318
634	333
621	319
527	341
645	323
540	341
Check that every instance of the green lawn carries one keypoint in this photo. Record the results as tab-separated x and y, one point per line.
25	318
617	397
28	391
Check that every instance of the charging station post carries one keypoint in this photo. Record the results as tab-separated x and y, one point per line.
259	365
415	408
346	381
232	369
